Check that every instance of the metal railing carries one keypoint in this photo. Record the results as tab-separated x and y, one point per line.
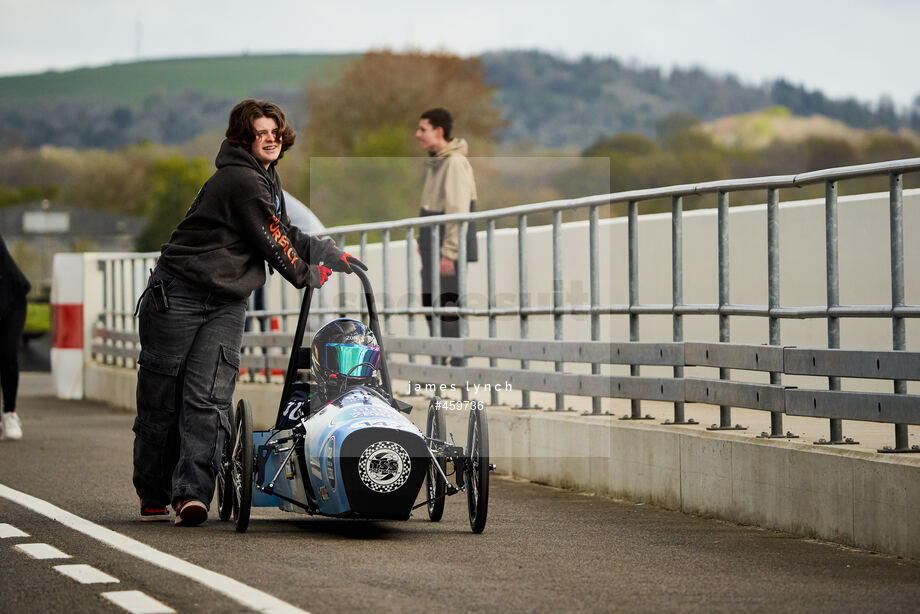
114	315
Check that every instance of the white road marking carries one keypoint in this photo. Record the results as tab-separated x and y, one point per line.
85	574
42	551
137	602
248	596
8	530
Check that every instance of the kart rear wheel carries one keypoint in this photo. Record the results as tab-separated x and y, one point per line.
241	466
224	477
477	472
435	488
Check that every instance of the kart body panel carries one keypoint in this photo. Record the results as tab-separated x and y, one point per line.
359	458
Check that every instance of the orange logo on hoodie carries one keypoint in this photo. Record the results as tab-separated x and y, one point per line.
282	240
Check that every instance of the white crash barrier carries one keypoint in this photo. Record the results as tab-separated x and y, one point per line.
67	326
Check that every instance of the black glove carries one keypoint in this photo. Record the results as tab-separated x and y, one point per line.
345	264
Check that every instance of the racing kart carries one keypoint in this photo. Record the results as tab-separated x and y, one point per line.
358	456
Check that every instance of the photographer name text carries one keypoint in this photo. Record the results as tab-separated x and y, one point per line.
469	387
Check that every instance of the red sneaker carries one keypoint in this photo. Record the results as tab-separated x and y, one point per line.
190	513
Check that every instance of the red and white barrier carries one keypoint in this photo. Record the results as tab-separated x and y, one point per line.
67	326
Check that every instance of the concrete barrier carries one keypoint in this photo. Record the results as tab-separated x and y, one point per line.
852	497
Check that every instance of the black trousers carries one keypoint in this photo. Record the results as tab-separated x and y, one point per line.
449	297
11	325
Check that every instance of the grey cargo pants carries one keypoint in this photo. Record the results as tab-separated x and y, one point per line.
188	365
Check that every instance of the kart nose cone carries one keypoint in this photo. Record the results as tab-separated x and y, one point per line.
384	466
382	471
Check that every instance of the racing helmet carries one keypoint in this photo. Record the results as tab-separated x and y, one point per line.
344	353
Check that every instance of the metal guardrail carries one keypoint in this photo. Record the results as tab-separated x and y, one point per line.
121	275
887	408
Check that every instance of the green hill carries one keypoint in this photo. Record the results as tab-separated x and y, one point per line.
131	84
548	100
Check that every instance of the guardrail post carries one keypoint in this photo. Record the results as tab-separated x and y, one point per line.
122	306
145	272
677	290
898	331
593	249
410	287
110	275
523	300
100	317
139	267
725	411
385	247
833	300
557	295
250	324
283	318
490	257
776	377
136	264
434	269
635	405
321	303
362	256
462	229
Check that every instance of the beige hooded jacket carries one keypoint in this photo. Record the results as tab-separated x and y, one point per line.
449	188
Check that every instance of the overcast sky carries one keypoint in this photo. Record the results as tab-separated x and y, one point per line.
861	48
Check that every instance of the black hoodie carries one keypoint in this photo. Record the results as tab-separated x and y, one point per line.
238	221
13	284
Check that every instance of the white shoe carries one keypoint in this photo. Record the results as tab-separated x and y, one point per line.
12	425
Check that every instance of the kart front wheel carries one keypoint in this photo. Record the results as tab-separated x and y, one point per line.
241	466
224	476
435	487
477	472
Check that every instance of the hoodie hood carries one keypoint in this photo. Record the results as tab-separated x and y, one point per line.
454	146
232	155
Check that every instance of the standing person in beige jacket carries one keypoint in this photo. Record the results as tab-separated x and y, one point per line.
449	188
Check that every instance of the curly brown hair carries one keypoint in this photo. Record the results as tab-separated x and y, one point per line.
239	129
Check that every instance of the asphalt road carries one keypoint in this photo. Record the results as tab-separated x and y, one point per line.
543	550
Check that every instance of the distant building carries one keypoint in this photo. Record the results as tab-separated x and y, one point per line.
34	232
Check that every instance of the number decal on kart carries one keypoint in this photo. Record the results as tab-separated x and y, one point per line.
294	410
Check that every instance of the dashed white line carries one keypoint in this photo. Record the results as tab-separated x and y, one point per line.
137	602
42	551
85	574
246	595
8	530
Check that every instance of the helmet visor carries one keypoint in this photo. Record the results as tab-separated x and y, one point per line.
350	359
